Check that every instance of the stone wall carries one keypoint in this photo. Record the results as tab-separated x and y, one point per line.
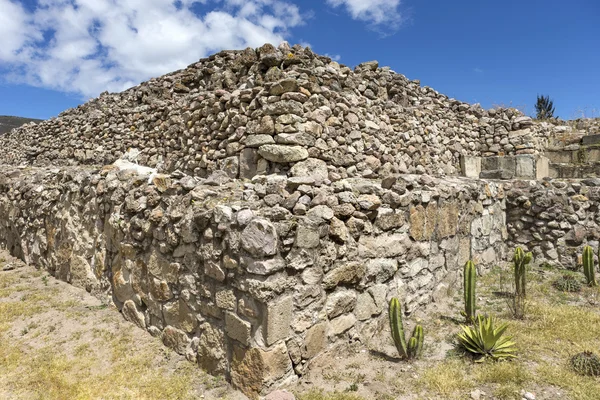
259	111
554	218
252	279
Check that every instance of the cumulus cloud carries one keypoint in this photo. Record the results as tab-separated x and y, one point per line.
88	46
376	12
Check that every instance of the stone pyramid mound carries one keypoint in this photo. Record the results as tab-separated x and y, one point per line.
260	111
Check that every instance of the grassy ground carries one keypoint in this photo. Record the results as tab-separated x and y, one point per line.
556	326
58	342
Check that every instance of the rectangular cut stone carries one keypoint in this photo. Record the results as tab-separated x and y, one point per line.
525	167
590	139
542	168
237	328
470	166
278	319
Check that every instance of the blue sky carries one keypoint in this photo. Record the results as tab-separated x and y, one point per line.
56	55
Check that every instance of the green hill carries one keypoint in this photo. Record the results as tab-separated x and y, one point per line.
7	122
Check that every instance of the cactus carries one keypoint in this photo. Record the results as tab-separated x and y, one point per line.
415	343
397	327
586	363
520	259
470	276
567	283
588	266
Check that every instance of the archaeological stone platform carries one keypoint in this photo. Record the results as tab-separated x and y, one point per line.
266	204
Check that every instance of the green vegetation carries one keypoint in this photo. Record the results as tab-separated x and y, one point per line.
415	343
520	260
567	283
586	363
485	340
544	107
588	266
470	277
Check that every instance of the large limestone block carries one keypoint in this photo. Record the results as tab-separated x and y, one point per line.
422	221
311	167
254	369
386	245
470	166
282	154
315	340
278	319
525	167
259	238
237	328
340	302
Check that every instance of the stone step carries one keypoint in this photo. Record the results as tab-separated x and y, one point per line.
574	171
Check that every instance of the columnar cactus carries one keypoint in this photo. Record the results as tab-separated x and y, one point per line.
521	259
415	343
470	276
397	327
588	266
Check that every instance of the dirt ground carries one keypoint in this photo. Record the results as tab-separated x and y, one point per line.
59	342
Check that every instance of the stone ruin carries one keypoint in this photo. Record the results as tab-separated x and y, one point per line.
287	199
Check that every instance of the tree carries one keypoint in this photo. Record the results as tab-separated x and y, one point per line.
544	107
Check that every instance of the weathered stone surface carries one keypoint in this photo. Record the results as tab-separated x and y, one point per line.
341	324
315	340
175	339
282	153
237	328
312	167
211	351
259	238
278	316
253	369
131	313
340	302
384	245
347	273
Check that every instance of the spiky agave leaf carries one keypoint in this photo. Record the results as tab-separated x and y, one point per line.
486	340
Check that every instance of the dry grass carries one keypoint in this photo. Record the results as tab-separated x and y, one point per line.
112	360
556	326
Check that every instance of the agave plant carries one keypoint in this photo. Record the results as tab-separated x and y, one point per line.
486	341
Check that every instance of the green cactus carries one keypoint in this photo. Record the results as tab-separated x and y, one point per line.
397	327
415	343
567	283
470	277
521	259
586	363
588	266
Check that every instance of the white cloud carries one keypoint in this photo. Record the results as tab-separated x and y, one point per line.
13	29
88	46
373	11
478	70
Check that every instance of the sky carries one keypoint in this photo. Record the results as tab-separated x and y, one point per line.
57	54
